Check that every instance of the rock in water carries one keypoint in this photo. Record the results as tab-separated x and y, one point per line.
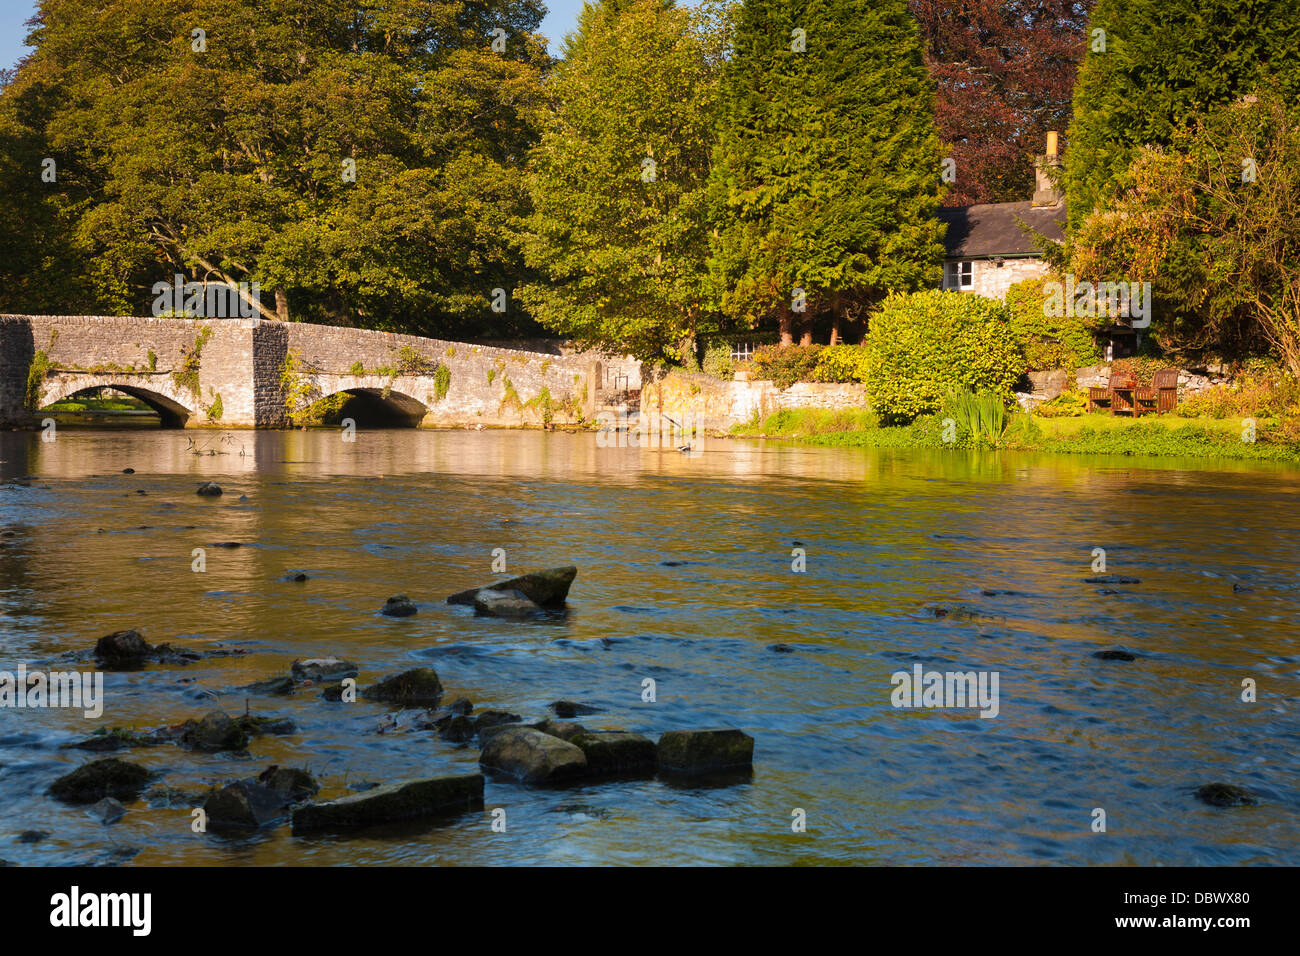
92	782
419	687
399	801
531	756
323	669
244	804
564	729
209	489
106	811
488	721
492	603
544	588
1115	654
289	781
216	731
705	751
121	650
399	605
458	729
615	751
567	709
1225	795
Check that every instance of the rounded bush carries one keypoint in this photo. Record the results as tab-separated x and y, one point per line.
924	345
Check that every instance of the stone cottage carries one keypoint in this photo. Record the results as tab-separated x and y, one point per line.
989	247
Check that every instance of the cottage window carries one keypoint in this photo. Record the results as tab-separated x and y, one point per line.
958	275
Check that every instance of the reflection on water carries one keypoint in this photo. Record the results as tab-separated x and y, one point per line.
888	536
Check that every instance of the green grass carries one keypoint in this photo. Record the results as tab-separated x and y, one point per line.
1166	436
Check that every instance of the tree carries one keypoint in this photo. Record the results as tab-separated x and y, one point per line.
1005	73
617	183
1152	67
826	173
362	162
1213	222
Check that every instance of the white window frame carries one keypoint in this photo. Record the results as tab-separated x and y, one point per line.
959	275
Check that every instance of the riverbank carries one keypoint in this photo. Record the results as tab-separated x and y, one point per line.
1097	434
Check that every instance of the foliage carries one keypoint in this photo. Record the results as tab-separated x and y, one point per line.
717	361
1213	222
826	172
785	364
1005	73
617	181
841	363
215	409
357	368
410	361
187	374
980	417
1049	342
1069	404
37	373
441	382
297	386
1263	392
1164	63
805	422
241	175
924	344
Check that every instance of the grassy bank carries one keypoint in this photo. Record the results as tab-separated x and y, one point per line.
1100	434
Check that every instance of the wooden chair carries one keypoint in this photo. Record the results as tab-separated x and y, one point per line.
1161	395
1098	397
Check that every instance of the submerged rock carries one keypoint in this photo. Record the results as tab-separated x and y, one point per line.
289	781
548	588
1112	579
417	687
399	605
244	803
295	576
323	669
568	708
461	705
780	648
33	836
399	801
457	728
92	782
122	650
1115	654
531	756
705	751
216	731
106	811
109	739
1226	795
509	604
273	685
616	751
209	489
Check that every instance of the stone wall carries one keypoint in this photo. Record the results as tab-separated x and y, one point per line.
717	405
231	372
993	280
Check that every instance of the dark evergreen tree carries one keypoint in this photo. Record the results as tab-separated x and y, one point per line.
1154	67
827	171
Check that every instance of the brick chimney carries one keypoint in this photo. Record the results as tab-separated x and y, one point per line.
1045	193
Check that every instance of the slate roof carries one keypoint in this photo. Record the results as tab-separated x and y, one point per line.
991	229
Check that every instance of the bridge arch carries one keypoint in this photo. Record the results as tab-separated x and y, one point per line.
173	404
376	407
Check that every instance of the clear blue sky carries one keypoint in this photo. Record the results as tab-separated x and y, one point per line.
13	13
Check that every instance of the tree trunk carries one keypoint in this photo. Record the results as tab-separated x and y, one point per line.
805	336
281	305
836	338
787	325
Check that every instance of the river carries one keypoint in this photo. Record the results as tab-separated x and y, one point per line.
685	576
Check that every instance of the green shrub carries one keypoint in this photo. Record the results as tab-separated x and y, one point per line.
1069	404
922	345
717	361
1264	391
785	365
1049	341
981	417
441	382
841	363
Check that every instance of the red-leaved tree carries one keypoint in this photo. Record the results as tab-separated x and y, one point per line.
1005	75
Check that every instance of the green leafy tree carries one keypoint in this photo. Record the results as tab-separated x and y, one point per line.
827	172
361	161
619	230
1153	66
1212	221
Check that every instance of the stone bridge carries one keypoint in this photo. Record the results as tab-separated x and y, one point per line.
255	373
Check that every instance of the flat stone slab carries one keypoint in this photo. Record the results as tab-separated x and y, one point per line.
548	588
399	801
531	756
489	602
705	751
616	751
